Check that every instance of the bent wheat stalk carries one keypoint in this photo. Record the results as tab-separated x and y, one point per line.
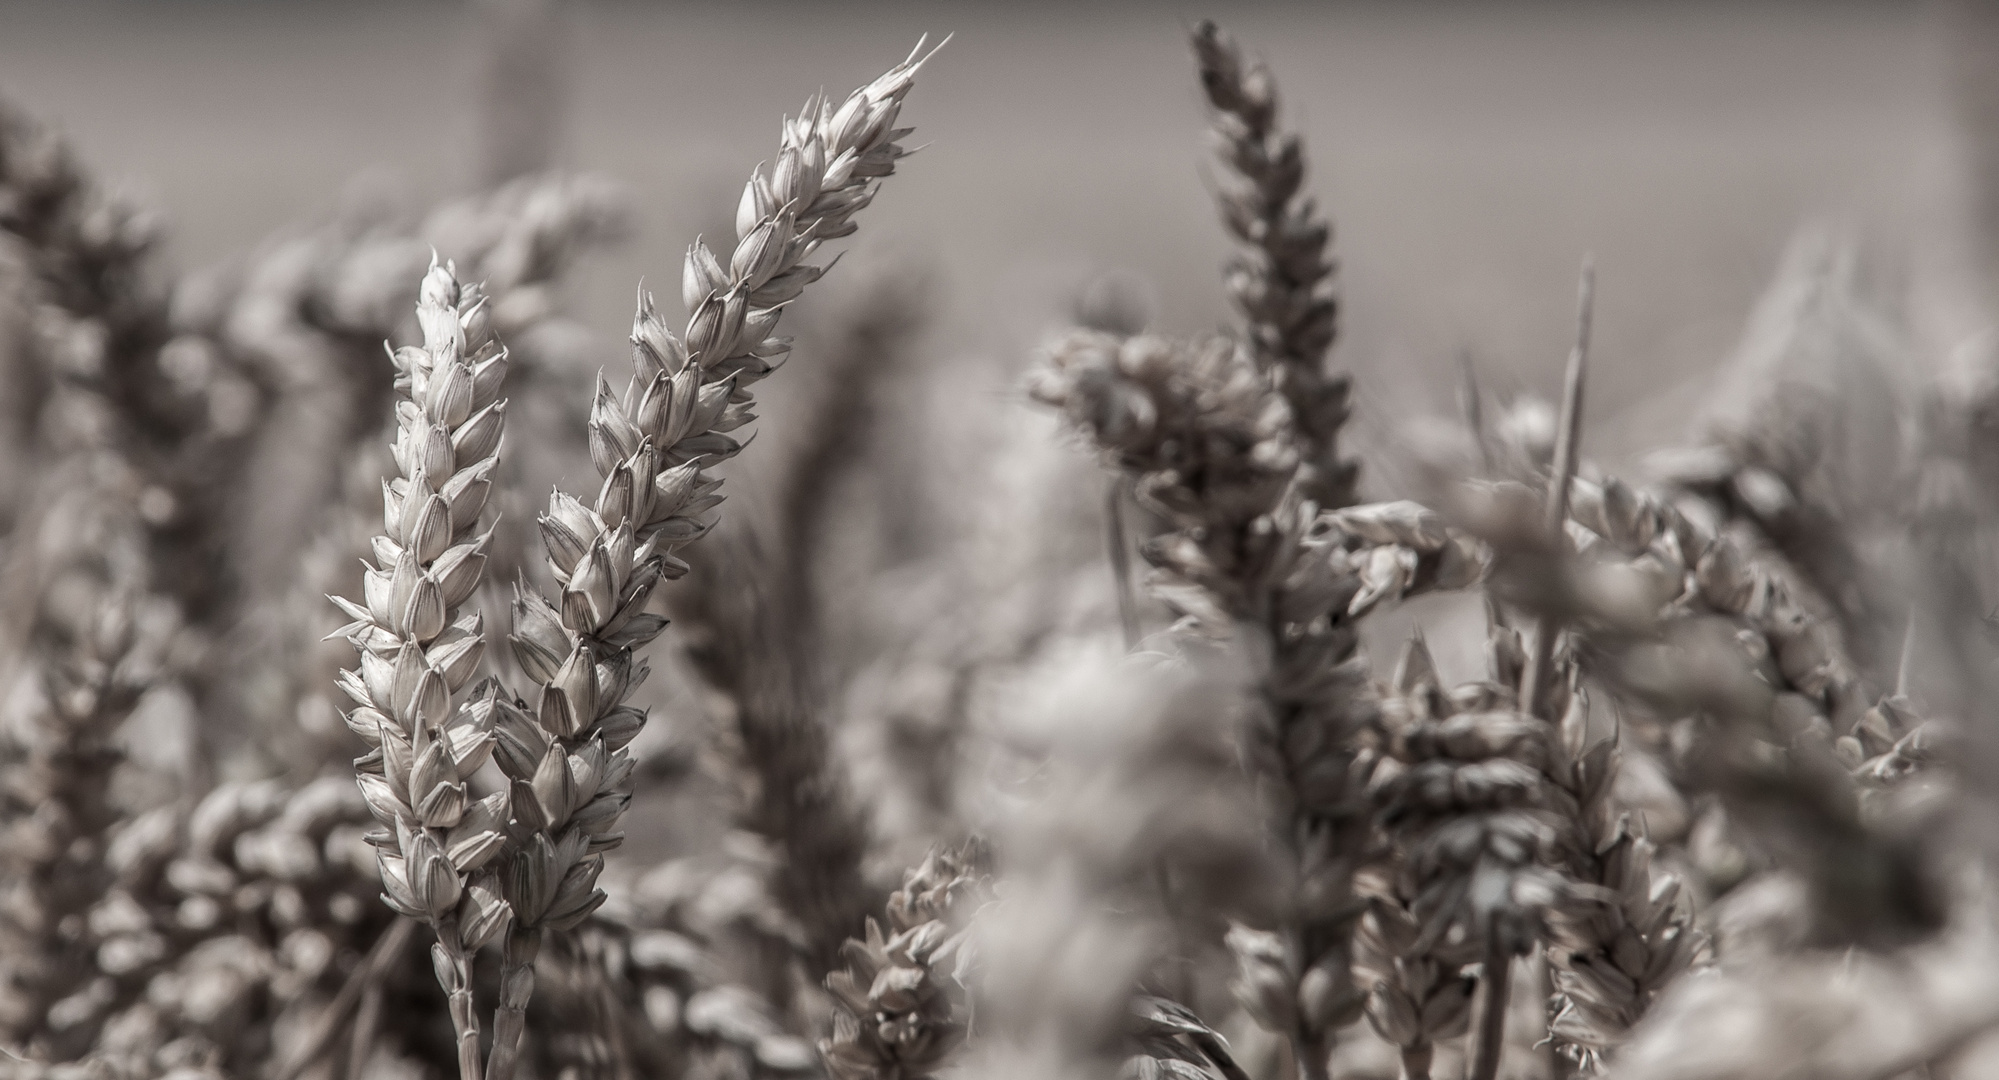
566	753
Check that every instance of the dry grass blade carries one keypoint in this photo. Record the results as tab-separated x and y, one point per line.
1491	1031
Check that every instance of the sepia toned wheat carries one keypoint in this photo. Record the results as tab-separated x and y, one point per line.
565	753
420	644
1282	282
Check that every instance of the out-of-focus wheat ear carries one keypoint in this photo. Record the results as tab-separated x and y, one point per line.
901	1011
751	640
1281	282
95	648
164	400
86	630
101	307
1207	441
420	643
565	752
522	86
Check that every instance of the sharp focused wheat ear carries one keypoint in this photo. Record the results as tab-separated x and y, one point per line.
566	753
1282	281
420	643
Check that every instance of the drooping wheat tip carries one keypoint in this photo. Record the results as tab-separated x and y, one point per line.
421	643
1281	282
1725	651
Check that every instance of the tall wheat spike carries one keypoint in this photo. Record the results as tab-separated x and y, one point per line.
1282	281
420	644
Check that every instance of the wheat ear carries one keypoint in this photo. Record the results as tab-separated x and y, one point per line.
420	643
901	1012
1209	443
1282	280
90	629
566	754
1481	840
1609	958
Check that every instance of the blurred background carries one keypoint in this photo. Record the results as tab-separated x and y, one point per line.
1469	154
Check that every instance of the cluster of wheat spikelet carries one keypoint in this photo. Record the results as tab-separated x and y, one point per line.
1716	806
